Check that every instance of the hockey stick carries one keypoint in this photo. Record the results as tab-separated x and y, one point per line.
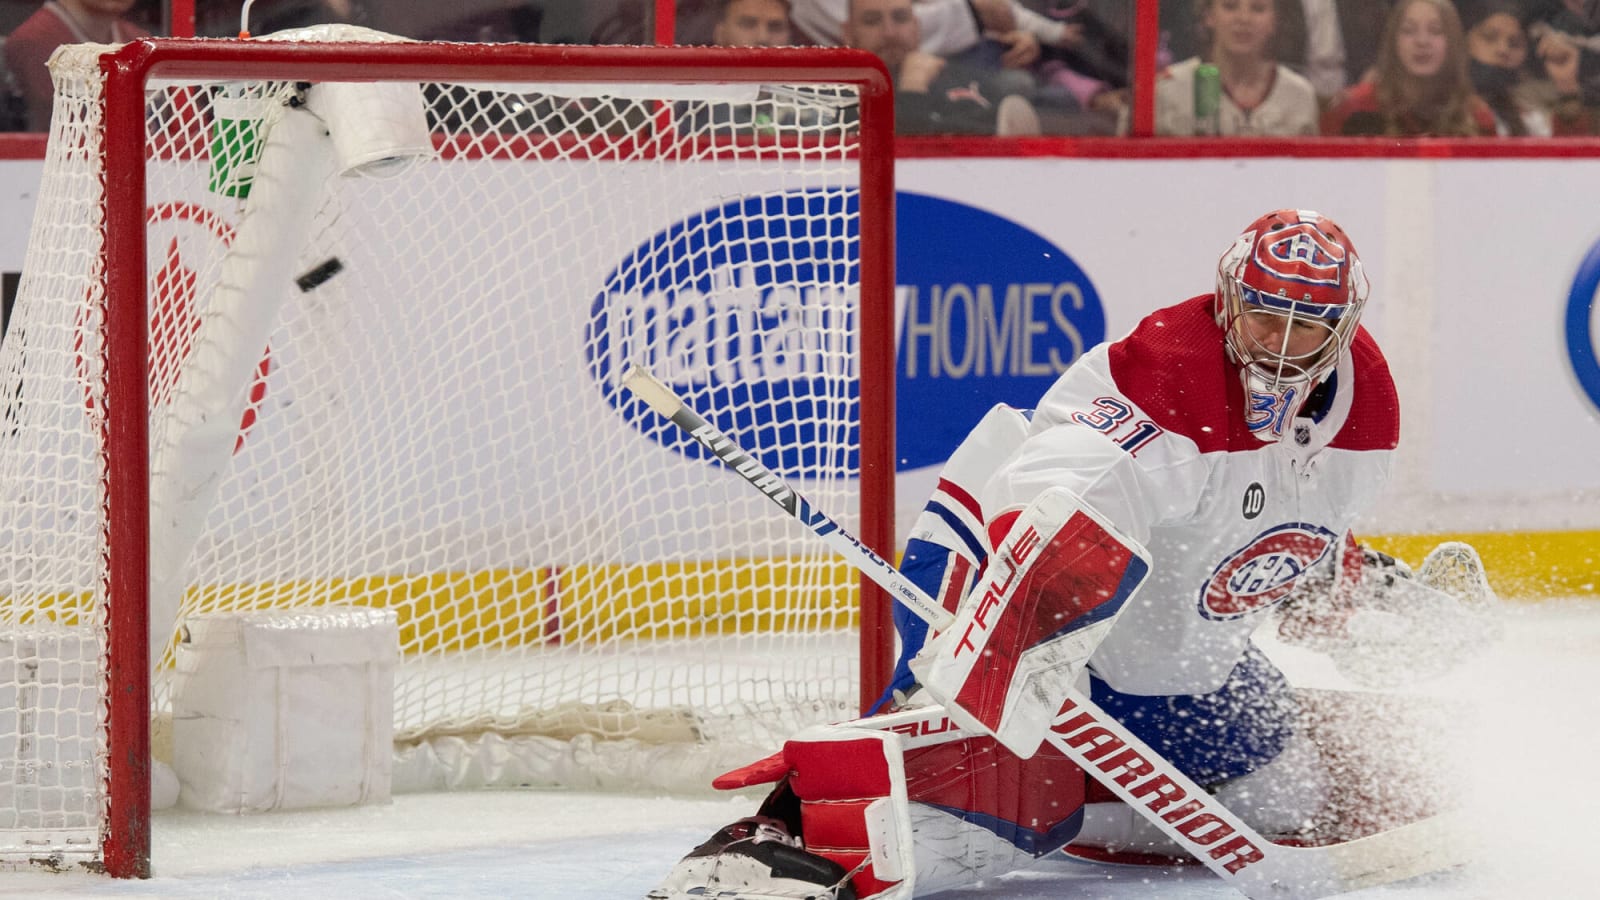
661	399
1106	750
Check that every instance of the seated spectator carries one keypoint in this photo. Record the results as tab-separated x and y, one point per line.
1006	38
1331	42
749	23
1497	49
1084	87
947	27
1497	45
1566	36
752	23
1259	95
1421	86
60	22
933	95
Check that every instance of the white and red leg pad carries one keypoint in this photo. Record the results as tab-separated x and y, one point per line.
979	810
1048	596
931	806
853	806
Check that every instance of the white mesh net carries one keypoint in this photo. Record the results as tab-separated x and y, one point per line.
384	359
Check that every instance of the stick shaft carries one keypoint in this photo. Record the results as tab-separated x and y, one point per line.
669	405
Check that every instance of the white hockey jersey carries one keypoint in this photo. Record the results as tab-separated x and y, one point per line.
1149	431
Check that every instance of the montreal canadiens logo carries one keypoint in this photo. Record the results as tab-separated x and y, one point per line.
1301	253
1264	571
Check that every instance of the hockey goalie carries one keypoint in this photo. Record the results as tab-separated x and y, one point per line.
1116	552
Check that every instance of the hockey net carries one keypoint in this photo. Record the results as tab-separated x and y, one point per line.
386	325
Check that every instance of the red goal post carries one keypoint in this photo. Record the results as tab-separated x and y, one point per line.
750	194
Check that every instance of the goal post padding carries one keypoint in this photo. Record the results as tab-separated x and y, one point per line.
341	321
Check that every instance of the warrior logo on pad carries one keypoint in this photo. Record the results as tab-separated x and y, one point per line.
1264	571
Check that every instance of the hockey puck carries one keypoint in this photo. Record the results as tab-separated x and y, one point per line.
319	274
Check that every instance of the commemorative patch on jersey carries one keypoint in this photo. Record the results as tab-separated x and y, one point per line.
1263	572
1255	500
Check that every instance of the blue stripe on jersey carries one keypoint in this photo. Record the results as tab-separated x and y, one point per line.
975	547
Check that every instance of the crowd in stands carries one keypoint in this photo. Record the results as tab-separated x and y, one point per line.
1017	67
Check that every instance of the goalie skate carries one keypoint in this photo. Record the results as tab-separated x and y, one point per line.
754	859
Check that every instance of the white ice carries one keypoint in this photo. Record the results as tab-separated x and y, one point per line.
1532	754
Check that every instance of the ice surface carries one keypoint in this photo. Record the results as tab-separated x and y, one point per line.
1531	752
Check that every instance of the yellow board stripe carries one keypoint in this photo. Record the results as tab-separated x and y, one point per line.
453	611
1526	565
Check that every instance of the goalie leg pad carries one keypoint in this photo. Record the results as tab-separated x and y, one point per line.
1050	594
979	810
928	805
851	784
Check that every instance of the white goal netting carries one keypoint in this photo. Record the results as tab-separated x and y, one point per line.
387	324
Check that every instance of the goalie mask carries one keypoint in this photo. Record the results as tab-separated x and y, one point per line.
1289	296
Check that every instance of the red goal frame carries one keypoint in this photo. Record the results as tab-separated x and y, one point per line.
125	832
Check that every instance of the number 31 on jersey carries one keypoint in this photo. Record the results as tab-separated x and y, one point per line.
1114	419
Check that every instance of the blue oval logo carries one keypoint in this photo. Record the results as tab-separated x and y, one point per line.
750	306
1581	331
989	312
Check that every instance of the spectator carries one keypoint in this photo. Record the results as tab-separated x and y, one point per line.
1004	37
1259	95
1497	49
1566	35
752	23
1421	87
948	27
933	95
749	23
60	22
1330	42
1498	45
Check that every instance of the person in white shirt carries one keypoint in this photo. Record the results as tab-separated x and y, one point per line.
1260	96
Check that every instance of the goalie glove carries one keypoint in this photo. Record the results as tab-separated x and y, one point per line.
1350	578
1385	627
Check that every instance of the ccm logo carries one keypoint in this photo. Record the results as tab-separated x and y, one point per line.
1205	832
994	597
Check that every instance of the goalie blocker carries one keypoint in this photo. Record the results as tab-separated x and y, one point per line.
1023	635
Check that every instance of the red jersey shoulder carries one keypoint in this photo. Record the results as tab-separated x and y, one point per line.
1174	367
1374	422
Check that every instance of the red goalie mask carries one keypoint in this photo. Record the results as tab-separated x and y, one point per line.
1289	296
